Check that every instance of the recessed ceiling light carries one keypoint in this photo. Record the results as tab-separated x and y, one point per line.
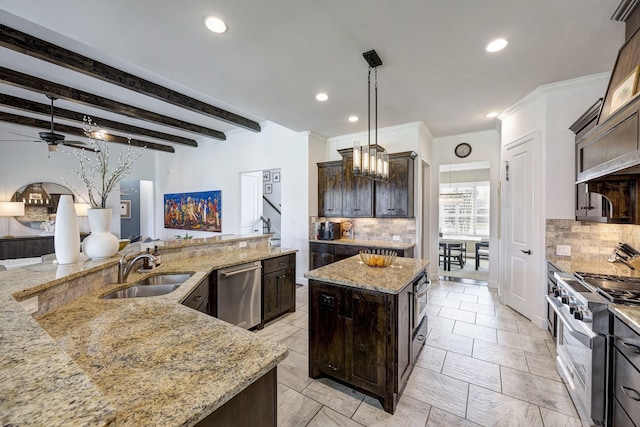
353	119
491	115
216	25
496	45
322	96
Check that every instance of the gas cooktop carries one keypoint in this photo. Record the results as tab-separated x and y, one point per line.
617	289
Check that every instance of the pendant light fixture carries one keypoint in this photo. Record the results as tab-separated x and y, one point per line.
371	161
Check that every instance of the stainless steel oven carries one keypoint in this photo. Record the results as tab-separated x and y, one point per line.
581	345
420	289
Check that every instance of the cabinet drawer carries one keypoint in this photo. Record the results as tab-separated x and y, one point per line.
326	248
627	385
627	341
349	250
279	263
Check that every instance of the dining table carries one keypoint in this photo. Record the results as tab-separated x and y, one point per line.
447	245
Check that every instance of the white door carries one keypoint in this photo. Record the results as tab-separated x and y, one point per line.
250	202
520	197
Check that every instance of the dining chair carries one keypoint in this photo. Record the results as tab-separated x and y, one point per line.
482	252
459	253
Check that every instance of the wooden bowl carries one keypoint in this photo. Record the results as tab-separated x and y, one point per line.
123	243
378	257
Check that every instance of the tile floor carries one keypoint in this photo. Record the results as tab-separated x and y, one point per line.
483	364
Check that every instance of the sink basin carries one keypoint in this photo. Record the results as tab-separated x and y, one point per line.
152	286
138	291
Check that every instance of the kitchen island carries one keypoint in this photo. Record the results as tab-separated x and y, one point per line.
139	361
365	324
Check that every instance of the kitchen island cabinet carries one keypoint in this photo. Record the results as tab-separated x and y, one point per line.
361	325
625	372
278	287
329	251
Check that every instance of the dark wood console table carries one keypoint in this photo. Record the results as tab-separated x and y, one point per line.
26	247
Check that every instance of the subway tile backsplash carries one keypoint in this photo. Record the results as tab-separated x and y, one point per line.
589	240
375	228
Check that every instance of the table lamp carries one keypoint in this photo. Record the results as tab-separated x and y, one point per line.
9	209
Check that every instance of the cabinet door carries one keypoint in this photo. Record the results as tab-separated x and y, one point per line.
366	341
395	198
326	331
320	259
271	295
330	187
358	193
288	290
199	298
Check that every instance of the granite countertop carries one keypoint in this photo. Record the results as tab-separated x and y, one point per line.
629	314
354	273
571	265
370	243
139	361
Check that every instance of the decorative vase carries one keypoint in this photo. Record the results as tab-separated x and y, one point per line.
101	243
66	237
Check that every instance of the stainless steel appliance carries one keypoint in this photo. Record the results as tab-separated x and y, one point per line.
239	294
329	230
420	289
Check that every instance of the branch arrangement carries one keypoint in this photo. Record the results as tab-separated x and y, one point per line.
95	173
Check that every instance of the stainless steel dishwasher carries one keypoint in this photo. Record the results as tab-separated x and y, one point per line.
239	294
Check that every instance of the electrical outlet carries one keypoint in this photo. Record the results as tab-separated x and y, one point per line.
396	238
563	250
242	244
30	305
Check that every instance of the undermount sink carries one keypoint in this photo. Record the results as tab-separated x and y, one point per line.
160	284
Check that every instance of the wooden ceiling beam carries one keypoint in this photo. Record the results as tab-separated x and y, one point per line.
57	90
41	49
36	107
41	124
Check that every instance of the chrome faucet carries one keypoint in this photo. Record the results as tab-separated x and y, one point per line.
125	268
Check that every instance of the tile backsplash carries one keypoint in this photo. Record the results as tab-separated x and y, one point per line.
589	240
375	228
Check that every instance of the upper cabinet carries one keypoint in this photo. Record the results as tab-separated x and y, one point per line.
394	199
330	188
341	194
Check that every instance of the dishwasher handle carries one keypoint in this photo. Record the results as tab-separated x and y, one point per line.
243	270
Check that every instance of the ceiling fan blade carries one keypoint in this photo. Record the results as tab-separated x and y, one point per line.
19	140
19	134
73	142
80	147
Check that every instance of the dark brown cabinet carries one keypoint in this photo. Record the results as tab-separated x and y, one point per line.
326	253
330	188
394	199
363	338
278	286
26	247
626	375
198	299
358	192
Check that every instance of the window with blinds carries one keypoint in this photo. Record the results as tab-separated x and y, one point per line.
464	209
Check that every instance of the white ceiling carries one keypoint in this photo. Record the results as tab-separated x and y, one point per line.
278	54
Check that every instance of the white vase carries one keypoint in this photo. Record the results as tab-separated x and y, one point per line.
66	237
101	243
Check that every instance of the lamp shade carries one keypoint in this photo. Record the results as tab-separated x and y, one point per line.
82	209
11	208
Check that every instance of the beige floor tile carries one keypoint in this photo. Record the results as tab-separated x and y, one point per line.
551	345
501	355
436	322
336	396
478	308
294	371
329	418
540	391
508	325
440	418
474	371
295	409
455	314
438	292
298	341
478	290
523	342
450	342
431	358
438	390
409	413
277	331
290	317
463	297
555	419
528	328
508	313
488	408
302	307
488	300
544	366
475	331
444	302
302	321
433	309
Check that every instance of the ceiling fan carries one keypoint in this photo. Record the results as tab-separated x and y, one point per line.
54	139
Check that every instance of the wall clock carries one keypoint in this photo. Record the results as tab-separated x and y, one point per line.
463	150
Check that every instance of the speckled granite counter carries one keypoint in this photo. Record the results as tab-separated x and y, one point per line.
370	243
571	265
353	272
629	314
145	361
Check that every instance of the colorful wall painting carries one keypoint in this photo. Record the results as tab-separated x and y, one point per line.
201	211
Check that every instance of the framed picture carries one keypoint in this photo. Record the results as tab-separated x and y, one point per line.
200	210
266	175
276	177
268	189
125	209
624	91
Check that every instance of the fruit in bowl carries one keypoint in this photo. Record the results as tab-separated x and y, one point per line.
378	257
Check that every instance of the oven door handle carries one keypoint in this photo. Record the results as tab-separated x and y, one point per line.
584	338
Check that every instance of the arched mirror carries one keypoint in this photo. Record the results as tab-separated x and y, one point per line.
40	203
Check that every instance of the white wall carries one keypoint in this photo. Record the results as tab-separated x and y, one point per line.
22	163
484	146
216	165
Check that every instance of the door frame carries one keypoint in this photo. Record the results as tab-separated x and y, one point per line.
257	199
